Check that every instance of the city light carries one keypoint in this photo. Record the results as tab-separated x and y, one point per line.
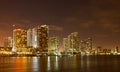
59	35
36	42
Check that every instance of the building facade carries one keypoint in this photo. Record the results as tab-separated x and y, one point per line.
19	39
40	38
29	38
53	45
8	42
86	45
65	44
71	43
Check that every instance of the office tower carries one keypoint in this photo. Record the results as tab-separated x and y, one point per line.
34	38
65	44
73	40
71	43
19	39
89	42
8	42
86	45
53	45
29	38
40	38
43	38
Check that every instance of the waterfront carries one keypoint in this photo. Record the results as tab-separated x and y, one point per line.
60	64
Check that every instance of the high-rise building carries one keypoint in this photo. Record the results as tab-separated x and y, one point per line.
71	43
19	39
65	44
53	45
8	42
40	38
86	45
34	38
29	38
75	41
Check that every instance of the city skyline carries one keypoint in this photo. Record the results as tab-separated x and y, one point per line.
97	19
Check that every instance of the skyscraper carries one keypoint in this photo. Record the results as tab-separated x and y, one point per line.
71	43
53	45
75	41
40	38
19	39
86	45
8	42
65	44
34	38
29	38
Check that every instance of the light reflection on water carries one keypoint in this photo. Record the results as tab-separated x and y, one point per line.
36	64
60	64
52	63
48	65
56	63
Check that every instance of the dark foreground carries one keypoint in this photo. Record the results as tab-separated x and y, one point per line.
60	64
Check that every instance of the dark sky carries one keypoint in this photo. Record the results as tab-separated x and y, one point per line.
99	19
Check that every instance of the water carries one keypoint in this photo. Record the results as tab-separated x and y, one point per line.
60	64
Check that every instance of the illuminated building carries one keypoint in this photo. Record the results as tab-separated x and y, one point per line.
65	44
75	41
40	38
99	50
71	43
19	40
70	46
8	42
29	38
116	51
86	45
53	45
34	38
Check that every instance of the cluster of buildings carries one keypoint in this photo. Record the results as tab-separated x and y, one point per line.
31	41
72	44
37	41
28	41
102	51
86	46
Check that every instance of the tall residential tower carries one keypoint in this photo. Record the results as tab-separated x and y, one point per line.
19	39
53	45
40	38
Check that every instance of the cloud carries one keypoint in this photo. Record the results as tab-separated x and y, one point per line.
87	24
112	27
110	24
26	21
101	35
55	28
106	14
79	23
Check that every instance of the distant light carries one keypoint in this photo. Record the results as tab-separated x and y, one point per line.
13	49
18	29
13	25
35	46
35	38
43	25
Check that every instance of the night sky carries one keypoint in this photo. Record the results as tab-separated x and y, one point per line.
99	19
